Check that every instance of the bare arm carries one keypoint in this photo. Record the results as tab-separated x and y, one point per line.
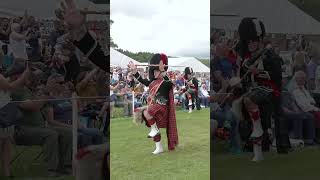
18	36
32	105
114	87
89	76
6	86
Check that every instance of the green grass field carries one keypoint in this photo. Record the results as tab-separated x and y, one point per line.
131	157
299	165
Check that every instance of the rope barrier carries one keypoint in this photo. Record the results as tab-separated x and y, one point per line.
58	99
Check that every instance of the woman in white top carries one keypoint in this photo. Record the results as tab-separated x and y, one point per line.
18	45
305	101
8	112
205	95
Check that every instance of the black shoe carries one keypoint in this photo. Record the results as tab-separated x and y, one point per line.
54	173
282	150
65	171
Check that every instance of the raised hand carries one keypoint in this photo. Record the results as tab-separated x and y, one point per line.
72	15
73	18
132	66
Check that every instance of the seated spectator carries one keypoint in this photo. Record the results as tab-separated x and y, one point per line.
86	87
33	130
9	117
305	101
226	118
303	123
204	95
177	97
61	114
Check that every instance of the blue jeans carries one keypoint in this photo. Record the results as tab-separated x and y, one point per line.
89	136
303	125
204	101
227	116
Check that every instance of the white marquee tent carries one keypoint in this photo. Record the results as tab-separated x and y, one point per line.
119	59
279	16
192	62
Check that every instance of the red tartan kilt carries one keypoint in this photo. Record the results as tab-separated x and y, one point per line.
160	114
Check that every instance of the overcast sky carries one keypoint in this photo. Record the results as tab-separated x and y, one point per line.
45	8
174	27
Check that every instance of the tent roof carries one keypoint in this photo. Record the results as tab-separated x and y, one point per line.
17	7
279	16
119	59
192	62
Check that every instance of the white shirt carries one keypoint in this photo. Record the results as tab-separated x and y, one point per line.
204	92
304	100
18	48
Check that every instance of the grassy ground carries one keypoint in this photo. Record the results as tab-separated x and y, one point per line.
131	157
27	167
297	165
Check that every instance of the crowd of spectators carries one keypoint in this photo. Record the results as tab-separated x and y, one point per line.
300	90
49	69
121	89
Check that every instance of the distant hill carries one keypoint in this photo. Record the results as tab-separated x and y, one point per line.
205	62
310	7
145	56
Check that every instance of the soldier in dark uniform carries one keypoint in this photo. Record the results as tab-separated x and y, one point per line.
191	89
261	76
160	112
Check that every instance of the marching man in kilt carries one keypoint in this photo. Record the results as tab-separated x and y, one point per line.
191	89
261	77
160	112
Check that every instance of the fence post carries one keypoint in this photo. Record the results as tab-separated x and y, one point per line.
132	102
74	131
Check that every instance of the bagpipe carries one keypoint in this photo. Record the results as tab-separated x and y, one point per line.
189	86
262	80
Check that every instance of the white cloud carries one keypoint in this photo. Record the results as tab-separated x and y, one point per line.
174	27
